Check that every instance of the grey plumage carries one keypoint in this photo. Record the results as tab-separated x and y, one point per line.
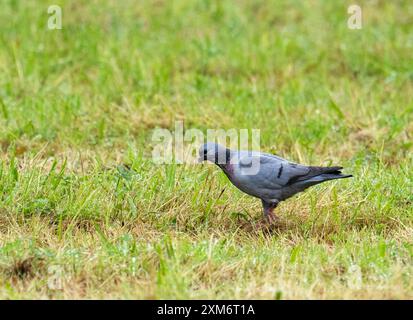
265	176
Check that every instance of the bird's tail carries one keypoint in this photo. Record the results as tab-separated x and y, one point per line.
321	174
332	176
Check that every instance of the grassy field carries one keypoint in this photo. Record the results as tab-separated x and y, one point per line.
85	213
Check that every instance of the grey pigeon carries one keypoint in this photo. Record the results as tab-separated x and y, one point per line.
265	176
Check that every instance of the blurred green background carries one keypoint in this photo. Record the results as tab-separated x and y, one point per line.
77	109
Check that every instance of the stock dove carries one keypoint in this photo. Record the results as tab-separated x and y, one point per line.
265	176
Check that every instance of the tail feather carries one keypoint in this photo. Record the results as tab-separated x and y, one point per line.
331	176
322	178
318	175
315	171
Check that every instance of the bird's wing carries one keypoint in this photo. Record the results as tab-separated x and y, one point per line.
273	172
276	172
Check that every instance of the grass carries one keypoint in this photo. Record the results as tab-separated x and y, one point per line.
77	109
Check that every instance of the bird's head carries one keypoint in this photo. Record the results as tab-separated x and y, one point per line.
215	153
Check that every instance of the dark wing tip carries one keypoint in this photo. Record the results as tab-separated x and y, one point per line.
344	175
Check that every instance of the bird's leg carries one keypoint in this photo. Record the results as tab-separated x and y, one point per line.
269	211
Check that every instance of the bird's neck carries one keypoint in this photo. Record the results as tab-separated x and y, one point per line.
226	167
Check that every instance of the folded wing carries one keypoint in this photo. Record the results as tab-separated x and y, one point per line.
275	172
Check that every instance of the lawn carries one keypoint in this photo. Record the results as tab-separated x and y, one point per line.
86	213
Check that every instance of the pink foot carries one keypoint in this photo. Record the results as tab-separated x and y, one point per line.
272	218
